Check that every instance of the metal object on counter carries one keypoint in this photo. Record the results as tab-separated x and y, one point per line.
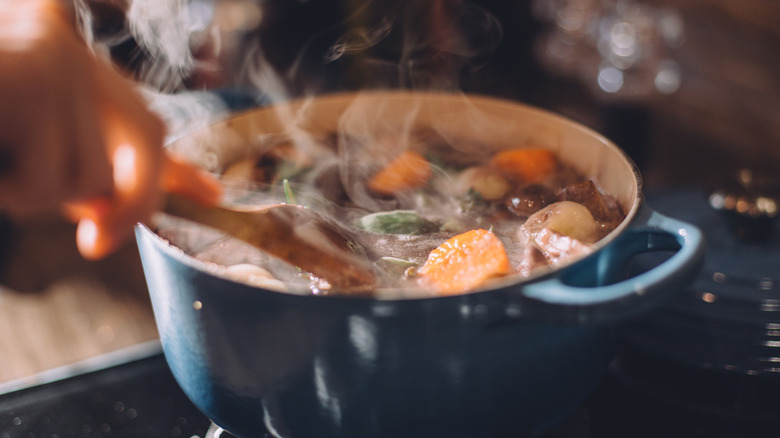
622	50
749	204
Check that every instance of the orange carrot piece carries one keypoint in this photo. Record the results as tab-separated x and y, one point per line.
407	171
531	165
464	262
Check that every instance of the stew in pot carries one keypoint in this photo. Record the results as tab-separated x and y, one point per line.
434	217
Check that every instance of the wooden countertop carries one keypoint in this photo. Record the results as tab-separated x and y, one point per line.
58	310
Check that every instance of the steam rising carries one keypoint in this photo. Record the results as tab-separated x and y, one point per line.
427	44
381	44
404	44
164	31
84	22
460	37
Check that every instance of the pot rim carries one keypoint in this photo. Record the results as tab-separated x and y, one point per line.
493	285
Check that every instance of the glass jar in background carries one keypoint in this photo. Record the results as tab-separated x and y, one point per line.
622	52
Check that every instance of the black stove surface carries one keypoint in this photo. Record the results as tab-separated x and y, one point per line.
136	399
638	397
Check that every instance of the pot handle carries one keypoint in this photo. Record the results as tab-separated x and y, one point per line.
597	285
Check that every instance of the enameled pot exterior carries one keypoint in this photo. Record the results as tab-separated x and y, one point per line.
510	361
255	360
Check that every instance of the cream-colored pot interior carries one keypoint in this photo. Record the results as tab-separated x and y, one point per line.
498	124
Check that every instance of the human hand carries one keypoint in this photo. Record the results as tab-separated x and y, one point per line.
76	136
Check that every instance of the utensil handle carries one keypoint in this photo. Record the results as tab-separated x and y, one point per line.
598	282
291	233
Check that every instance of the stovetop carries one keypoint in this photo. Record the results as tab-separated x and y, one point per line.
638	397
136	399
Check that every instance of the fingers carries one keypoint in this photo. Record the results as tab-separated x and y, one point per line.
137	165
105	223
54	153
142	171
55	148
133	139
102	227
88	140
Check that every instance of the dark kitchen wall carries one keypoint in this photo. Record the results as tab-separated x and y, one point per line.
724	115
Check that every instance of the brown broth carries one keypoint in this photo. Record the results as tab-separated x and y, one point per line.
333	180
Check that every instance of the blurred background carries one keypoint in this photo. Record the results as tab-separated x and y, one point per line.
662	78
690	89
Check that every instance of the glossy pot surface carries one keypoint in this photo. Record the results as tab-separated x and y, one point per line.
509	361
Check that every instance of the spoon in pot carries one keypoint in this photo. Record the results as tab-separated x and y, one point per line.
292	233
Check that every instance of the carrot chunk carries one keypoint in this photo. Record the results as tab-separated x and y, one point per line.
464	263
407	171
528	165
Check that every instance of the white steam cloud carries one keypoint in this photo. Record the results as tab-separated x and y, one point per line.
405	44
165	31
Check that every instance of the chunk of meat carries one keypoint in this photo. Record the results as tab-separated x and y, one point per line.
587	194
560	232
530	199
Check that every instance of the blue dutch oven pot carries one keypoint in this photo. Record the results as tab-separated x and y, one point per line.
507	361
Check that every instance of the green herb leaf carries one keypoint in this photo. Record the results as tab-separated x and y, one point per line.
395	222
288	193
